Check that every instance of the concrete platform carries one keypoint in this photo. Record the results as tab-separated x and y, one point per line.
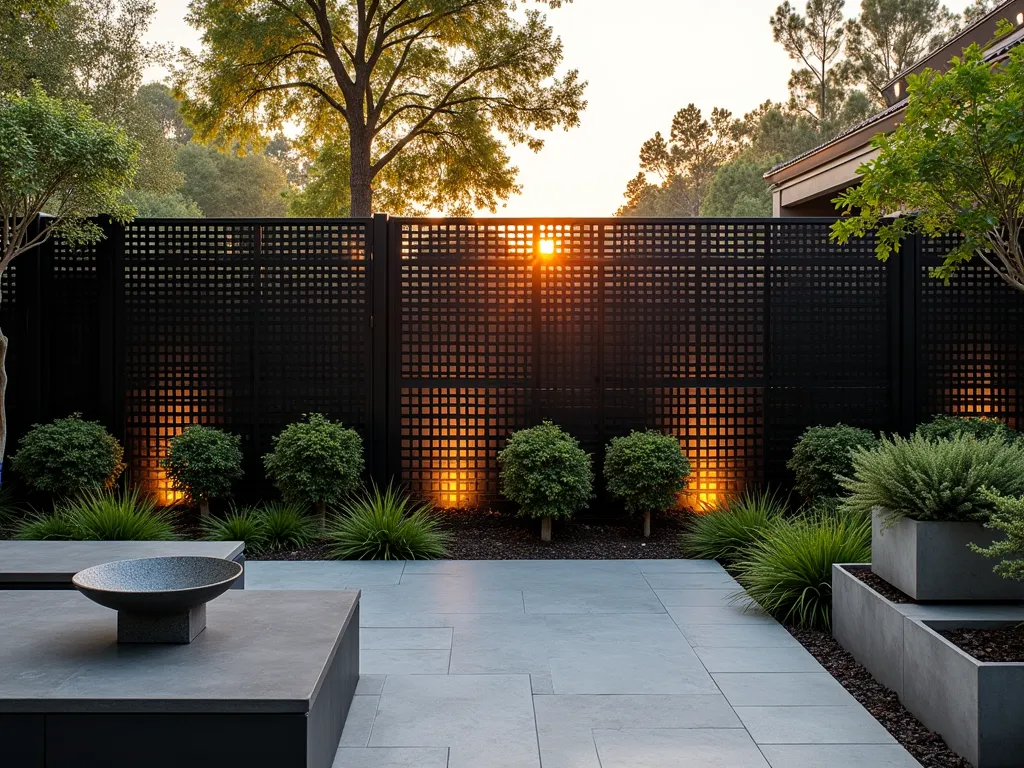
51	564
267	685
872	628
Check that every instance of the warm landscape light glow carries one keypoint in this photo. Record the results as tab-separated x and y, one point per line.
897	90
546	247
1020	19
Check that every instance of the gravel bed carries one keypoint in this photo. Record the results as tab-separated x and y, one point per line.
882	587
928	748
989	644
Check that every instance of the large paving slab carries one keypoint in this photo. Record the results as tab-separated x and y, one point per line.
583	664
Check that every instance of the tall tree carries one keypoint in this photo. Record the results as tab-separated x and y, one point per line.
431	84
683	165
55	157
821	84
226	184
891	35
957	163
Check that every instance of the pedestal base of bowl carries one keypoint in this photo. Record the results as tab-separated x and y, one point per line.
178	628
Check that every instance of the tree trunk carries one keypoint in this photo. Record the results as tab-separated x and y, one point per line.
360	178
3	401
647	525
545	529
204	507
321	511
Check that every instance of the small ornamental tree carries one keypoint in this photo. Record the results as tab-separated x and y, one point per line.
546	473
68	456
822	456
316	462
57	159
203	462
647	471
954	166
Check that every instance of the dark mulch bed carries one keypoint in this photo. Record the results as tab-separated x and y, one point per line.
882	587
989	644
927	747
490	535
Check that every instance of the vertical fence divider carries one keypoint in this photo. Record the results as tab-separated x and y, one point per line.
110	274
381	385
602	417
538	341
766	363
255	340
906	379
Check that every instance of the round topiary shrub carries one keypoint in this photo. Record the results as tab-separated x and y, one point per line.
946	427
546	473
646	470
68	456
822	456
203	462
316	462
935	479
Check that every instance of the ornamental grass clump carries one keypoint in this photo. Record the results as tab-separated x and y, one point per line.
545	472
239	524
103	516
787	570
68	456
316	462
385	525
934	479
203	462
647	471
946	427
725	533
822	456
285	526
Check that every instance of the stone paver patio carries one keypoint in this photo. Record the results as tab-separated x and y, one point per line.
581	664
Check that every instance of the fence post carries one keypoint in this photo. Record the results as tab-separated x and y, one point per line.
904	276
378	254
110	274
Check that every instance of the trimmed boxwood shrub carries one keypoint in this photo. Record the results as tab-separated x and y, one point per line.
646	470
725	533
935	480
822	456
545	472
945	427
316	462
203	462
68	456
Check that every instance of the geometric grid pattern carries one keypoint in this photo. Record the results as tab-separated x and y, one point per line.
969	340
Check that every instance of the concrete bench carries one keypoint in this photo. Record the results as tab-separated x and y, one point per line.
51	564
267	685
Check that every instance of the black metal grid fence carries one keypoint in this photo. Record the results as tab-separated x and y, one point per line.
436	338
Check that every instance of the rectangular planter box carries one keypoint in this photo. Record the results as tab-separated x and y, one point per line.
932	560
976	707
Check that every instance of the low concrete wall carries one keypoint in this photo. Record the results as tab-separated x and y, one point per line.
868	626
933	560
976	707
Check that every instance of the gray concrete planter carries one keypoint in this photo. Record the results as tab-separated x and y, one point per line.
976	707
932	560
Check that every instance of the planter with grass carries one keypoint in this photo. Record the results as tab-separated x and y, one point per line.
928	501
546	473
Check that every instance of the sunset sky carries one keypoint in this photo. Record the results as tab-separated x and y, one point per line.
644	59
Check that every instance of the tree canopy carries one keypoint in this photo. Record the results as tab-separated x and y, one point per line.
424	92
955	165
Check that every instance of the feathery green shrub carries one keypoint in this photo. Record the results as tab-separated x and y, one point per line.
385	525
724	533
1007	516
788	569
934	479
946	427
822	456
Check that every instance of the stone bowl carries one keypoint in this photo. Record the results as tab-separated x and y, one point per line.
157	585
